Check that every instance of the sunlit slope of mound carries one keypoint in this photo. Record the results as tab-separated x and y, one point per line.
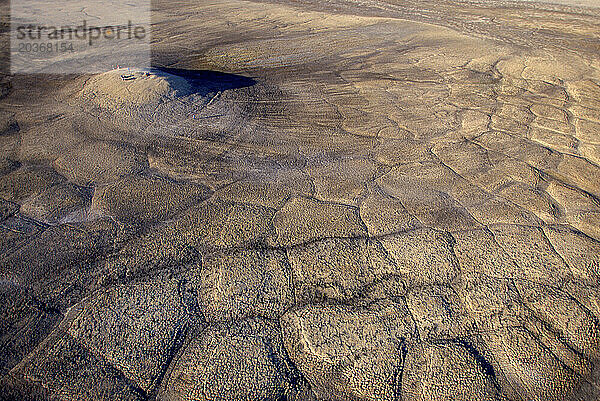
125	88
133	99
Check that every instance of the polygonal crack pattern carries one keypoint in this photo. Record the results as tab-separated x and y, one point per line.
387	210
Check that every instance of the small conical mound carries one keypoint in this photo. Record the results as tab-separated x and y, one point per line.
125	88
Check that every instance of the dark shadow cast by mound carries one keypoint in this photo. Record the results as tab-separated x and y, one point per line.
206	81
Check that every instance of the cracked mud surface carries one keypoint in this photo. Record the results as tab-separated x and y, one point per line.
373	200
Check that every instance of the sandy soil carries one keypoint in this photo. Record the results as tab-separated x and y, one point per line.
580	3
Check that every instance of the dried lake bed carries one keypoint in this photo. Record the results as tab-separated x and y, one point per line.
310	200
